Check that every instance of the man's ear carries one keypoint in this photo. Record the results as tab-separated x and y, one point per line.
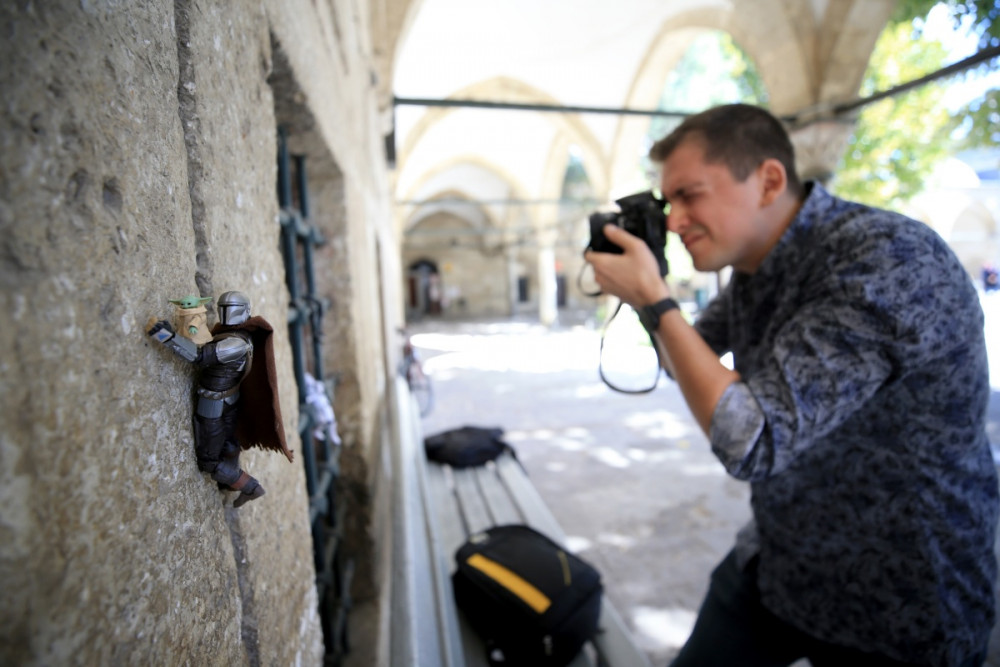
773	179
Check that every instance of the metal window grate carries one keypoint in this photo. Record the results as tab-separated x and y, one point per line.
320	451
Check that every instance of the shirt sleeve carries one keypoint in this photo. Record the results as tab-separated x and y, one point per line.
736	426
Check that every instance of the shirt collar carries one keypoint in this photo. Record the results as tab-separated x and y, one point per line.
817	199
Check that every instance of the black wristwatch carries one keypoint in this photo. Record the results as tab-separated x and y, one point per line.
650	315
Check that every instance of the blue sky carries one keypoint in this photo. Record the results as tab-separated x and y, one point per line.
961	44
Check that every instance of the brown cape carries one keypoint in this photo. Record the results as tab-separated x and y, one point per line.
259	422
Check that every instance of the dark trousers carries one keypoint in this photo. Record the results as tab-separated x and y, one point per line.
215	445
733	628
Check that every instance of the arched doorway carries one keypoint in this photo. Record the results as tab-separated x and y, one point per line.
424	288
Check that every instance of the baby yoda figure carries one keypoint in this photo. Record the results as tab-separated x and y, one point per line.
192	318
237	394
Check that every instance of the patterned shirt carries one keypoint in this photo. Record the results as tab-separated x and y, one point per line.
859	422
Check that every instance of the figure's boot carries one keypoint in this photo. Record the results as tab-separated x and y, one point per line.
249	488
228	473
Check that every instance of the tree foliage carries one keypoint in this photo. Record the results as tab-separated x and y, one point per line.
979	122
714	70
982	16
898	141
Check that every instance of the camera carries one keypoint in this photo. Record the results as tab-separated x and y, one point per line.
641	214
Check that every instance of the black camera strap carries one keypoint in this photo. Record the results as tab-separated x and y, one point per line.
600	362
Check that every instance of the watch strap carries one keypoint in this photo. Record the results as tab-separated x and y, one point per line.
650	315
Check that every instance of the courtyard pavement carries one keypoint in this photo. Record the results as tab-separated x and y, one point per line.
630	478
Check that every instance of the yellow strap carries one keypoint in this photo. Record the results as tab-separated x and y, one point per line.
511	581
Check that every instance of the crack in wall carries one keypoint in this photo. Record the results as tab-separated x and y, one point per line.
187	110
191	126
248	626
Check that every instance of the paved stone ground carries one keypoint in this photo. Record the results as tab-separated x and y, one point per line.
629	477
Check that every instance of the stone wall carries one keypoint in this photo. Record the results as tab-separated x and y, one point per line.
137	165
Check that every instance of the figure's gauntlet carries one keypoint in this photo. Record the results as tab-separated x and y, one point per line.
159	330
163	333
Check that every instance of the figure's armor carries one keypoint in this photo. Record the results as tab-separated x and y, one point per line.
225	361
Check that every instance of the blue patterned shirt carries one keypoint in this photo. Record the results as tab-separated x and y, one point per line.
859	422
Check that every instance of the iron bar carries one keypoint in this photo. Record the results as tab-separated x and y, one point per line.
528	106
827	111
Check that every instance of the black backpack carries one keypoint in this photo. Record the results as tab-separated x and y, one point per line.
527	597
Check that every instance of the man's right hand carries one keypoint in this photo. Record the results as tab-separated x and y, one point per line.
633	276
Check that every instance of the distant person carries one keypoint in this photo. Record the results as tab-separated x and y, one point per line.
856	409
991	281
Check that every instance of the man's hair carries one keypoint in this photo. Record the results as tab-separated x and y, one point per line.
740	136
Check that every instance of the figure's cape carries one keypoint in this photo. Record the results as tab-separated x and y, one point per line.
259	422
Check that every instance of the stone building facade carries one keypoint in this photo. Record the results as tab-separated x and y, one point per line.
138	164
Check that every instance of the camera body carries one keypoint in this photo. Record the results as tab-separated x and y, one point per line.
641	214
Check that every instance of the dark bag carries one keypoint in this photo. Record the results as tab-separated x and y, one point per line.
466	446
526	596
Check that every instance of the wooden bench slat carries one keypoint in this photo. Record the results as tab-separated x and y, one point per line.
444	512
529	502
503	508
473	505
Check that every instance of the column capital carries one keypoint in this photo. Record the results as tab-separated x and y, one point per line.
818	147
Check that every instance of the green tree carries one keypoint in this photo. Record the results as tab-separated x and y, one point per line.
979	122
897	141
714	70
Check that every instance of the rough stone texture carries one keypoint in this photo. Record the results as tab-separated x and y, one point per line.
137	165
113	545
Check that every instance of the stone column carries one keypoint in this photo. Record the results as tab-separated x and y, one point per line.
512	266
819	146
548	312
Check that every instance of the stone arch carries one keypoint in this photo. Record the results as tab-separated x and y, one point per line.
516	190
440	202
974	236
390	23
675	36
466	245
512	90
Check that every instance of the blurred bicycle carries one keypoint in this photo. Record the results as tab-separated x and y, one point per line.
419	383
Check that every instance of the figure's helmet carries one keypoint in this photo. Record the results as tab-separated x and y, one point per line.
234	308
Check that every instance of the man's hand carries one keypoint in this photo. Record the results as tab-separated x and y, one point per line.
161	331
634	276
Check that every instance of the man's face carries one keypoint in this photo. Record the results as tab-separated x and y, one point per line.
714	214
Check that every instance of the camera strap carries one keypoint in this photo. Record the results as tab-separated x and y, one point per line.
600	363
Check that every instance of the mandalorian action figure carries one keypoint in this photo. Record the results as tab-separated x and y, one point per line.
237	399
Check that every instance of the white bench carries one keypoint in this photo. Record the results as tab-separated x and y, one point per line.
436	509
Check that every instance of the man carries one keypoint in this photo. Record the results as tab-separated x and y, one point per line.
856	408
